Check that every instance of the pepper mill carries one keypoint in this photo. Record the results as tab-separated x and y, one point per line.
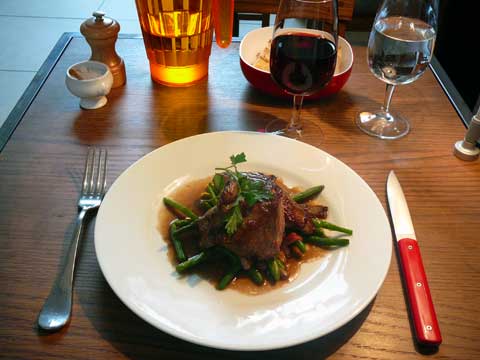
101	34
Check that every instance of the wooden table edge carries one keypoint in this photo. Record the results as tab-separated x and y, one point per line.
451	91
21	107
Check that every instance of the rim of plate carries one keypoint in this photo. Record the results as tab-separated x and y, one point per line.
255	347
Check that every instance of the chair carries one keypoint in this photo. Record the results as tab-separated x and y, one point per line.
260	10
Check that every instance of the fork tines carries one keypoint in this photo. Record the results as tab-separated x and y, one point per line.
95	179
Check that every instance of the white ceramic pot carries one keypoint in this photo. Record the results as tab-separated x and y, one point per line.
95	83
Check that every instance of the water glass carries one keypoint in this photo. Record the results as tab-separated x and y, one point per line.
400	48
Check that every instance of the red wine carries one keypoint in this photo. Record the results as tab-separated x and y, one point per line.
302	63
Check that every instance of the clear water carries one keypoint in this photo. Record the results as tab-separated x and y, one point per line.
400	49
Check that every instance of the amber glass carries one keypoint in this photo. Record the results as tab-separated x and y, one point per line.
178	39
223	21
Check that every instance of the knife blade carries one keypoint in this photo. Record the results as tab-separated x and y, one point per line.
427	330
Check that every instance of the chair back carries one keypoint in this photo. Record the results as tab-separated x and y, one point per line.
345	9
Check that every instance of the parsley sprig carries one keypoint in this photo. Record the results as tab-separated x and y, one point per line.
234	220
250	192
234	160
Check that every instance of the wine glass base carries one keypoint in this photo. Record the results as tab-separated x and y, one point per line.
279	127
381	124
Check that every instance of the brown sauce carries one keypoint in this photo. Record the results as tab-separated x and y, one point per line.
188	195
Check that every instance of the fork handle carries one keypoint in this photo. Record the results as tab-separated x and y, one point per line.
58	307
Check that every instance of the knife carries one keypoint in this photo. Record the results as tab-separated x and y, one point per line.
423	314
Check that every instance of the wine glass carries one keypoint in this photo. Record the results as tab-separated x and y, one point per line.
303	53
400	48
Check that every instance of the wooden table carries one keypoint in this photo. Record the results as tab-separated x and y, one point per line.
41	168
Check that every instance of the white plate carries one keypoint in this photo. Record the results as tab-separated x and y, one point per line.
326	294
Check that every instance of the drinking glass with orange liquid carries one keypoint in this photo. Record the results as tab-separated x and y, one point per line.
178	36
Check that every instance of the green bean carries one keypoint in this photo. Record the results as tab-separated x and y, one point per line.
231	256
206	204
235	266
191	226
218	183
228	277
273	268
282	269
182	222
319	232
280	264
300	245
296	252
176	243
180	208
326	225
213	196
255	275
322	241
192	262
304	195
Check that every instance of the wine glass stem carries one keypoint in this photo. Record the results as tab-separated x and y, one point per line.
388	97
295	122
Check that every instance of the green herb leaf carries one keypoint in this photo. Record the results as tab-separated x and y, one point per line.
253	197
234	159
239	158
234	220
253	191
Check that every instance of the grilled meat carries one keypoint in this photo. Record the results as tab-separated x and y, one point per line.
299	216
261	233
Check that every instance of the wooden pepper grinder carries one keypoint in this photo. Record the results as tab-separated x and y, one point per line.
101	34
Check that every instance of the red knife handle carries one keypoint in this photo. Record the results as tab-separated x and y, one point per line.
421	305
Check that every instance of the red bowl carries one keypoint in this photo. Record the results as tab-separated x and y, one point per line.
256	40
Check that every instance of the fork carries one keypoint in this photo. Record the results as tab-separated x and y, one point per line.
57	309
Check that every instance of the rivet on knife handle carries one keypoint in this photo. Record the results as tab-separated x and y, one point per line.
423	313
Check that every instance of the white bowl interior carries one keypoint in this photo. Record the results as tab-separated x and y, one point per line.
256	40
94	69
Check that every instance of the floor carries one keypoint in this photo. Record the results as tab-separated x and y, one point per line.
30	28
